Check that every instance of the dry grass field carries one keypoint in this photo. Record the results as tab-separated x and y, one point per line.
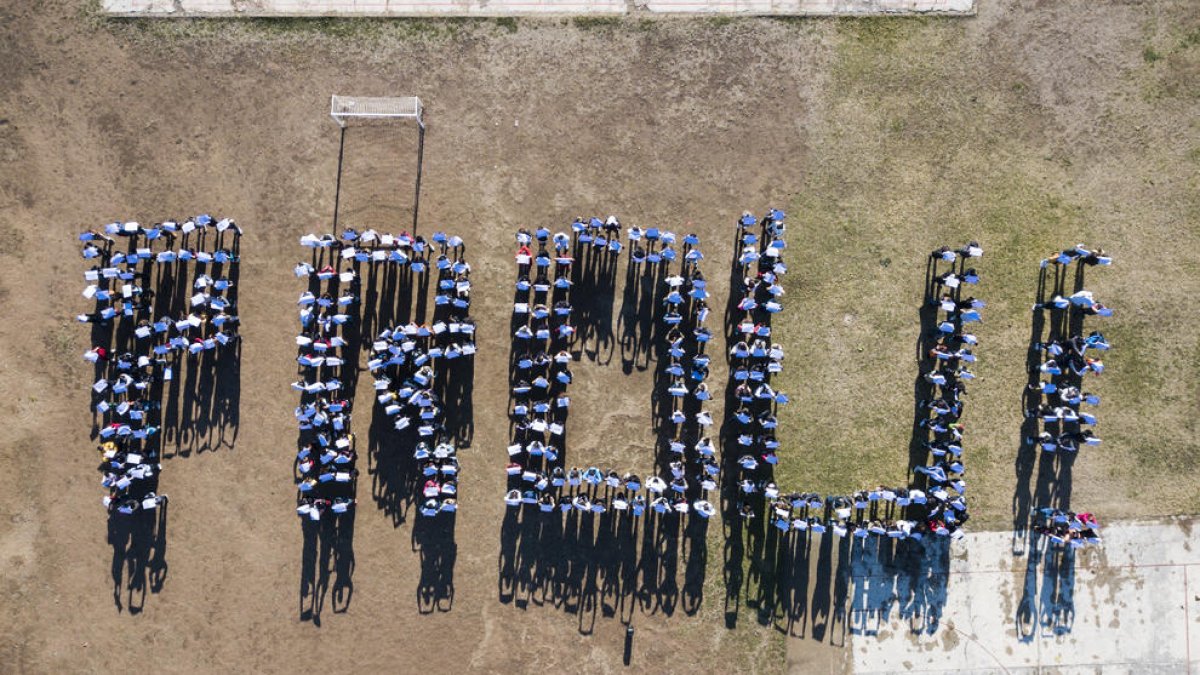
1030	127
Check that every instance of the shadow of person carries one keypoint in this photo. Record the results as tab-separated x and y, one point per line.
157	565
628	322
138	557
696	567
342	531
1027	612
506	562
310	589
119	532
433	537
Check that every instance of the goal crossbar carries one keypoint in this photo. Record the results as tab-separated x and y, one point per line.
346	108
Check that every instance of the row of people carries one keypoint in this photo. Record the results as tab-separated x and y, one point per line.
326	462
558	477
1055	396
866	512
313	508
688	469
946	368
201	235
754	359
621	503
540	372
1066	528
194	333
372	238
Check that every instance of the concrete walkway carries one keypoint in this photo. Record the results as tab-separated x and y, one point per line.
1131	607
485	8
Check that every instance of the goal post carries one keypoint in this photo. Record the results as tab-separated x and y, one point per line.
353	110
345	109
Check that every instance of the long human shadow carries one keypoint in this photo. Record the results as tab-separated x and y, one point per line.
438	550
736	529
1027	455
139	550
633	330
327	563
595	271
456	382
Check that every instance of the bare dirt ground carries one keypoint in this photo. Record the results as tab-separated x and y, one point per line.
1029	127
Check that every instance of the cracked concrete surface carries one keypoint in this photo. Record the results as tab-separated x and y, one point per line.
1131	606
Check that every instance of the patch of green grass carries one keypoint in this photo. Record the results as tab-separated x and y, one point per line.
508	23
352	31
350	28
1176	64
91	14
1190	39
935	167
880	32
852	320
596	22
887	54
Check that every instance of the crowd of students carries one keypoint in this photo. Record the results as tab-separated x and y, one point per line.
541	375
751	446
1064	528
326	461
1057	397
411	363
136	272
687	462
755	358
935	502
946	368
406	361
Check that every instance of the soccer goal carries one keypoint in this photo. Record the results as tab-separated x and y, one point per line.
344	109
348	111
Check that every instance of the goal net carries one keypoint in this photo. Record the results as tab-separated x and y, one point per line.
345	109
